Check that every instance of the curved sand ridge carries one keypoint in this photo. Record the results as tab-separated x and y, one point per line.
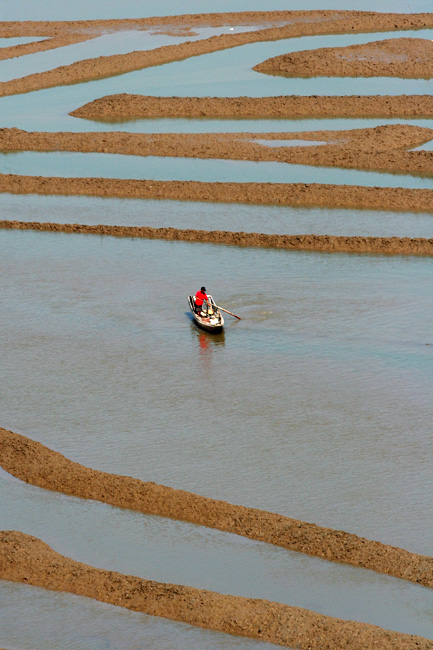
26	559
34	463
316	243
380	148
397	57
288	25
124	107
293	194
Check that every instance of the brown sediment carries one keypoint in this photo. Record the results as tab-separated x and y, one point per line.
34	463
283	25
397	57
124	107
24	558
317	243
294	194
380	148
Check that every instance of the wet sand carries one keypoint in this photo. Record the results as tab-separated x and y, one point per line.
283	25
34	463
380	148
124	107
409	58
27	559
293	194
317	243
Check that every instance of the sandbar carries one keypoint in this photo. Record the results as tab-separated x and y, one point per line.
35	463
409	58
294	194
126	107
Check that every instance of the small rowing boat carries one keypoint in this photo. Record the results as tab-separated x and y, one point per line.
209	317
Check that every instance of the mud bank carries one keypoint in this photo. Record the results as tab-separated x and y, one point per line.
288	25
36	464
398	57
317	243
380	148
124	107
294	194
27	559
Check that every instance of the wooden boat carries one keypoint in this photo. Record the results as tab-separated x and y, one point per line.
210	317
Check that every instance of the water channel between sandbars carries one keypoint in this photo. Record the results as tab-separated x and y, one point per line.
180	553
205	216
164	168
316	405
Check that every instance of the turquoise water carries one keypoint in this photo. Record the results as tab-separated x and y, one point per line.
53	10
19	40
66	164
186	214
106	45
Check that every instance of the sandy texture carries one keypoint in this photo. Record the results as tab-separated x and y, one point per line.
36	464
380	148
26	559
318	243
398	57
283	25
124	107
294	194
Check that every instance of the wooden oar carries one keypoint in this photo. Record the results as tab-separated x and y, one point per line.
227	311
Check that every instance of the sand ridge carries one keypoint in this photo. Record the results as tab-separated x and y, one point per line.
316	243
34	463
289	25
293	194
409	58
125	107
24	558
382	148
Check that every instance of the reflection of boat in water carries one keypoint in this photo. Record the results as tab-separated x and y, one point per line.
209	318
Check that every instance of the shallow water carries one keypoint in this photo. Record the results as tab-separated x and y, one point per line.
19	40
53	10
165	168
330	361
106	45
176	552
186	214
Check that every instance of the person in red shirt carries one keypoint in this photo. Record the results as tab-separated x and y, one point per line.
200	297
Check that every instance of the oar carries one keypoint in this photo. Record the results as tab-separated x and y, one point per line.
227	311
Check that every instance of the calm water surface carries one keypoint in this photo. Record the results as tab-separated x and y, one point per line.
186	214
176	552
101	361
165	168
53	10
